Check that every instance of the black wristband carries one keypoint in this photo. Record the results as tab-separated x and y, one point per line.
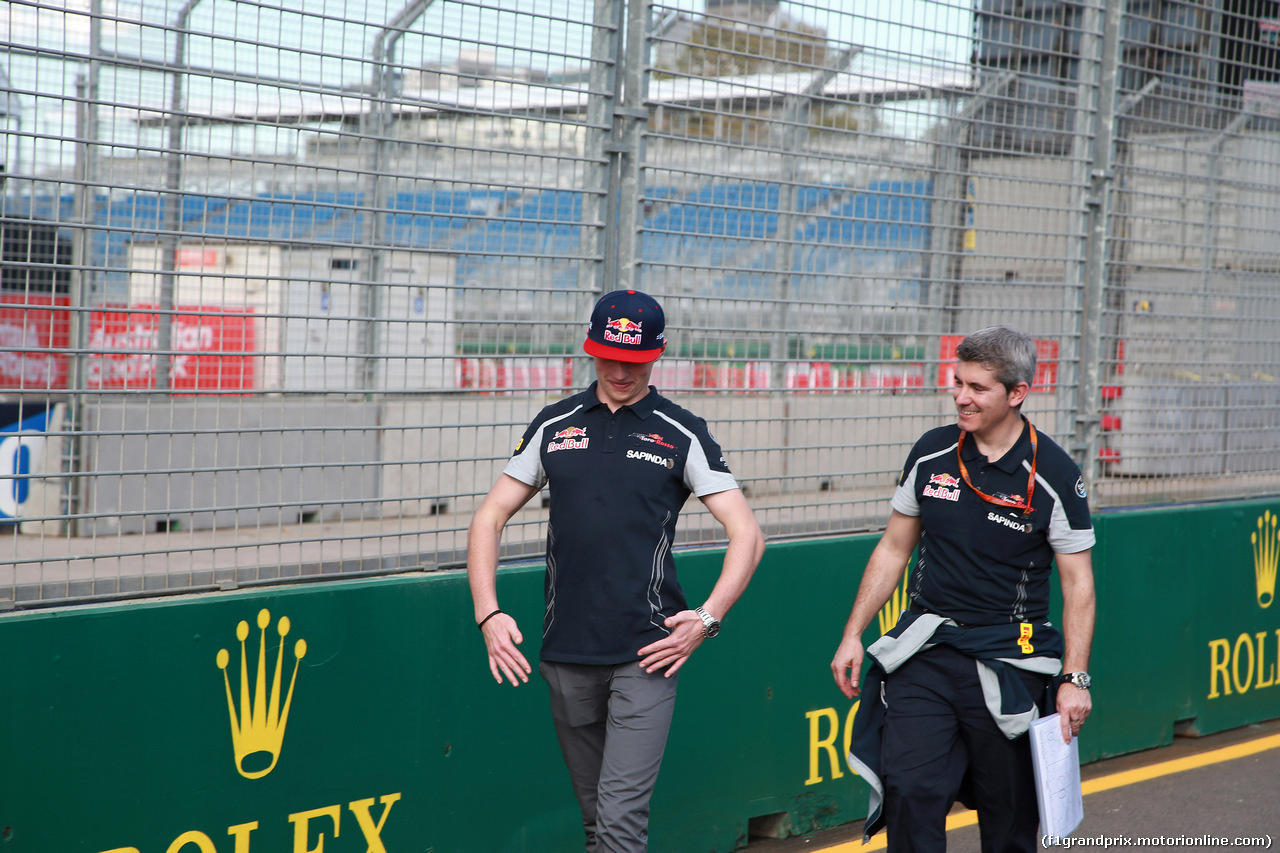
487	618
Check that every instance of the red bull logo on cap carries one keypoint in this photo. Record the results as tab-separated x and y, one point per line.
626	325
623	331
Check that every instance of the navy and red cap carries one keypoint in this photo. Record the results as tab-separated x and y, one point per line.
626	325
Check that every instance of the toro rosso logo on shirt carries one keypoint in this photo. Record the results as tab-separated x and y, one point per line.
653	438
573	438
943	486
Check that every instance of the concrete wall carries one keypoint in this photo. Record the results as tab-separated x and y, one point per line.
203	462
208	462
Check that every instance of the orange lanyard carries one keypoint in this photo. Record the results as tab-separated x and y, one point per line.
1031	478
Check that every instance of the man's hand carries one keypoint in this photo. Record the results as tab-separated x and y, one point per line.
1074	705
846	666
674	649
884	572
501	636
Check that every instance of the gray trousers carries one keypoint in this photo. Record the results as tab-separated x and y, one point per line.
612	723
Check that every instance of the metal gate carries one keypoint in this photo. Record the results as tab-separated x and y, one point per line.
283	283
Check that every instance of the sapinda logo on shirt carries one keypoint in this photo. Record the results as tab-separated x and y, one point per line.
1021	527
646	456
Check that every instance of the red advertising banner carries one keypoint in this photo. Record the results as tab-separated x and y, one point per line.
213	349
818	377
213	346
35	332
512	375
1046	363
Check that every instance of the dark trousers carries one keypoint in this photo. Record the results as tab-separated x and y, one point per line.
939	735
612	723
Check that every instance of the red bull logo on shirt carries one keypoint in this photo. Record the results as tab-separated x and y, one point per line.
570	438
943	486
622	331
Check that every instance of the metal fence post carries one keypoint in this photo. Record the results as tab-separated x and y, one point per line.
944	266
374	222
599	235
1209	235
1097	228
631	119
791	135
599	229
1080	200
74	484
173	198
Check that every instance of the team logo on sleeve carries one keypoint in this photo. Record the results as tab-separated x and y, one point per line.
943	486
571	438
1080	488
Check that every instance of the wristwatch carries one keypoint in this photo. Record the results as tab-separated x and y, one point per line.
710	624
1079	679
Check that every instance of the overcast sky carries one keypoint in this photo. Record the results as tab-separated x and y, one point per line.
330	44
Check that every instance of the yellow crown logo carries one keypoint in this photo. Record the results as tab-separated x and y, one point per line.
1266	554
897	603
258	731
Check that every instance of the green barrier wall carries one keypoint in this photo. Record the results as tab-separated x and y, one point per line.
388	734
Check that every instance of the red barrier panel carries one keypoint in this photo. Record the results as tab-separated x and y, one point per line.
213	347
35	332
1046	363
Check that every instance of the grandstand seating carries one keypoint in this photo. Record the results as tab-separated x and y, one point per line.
714	224
886	215
722	225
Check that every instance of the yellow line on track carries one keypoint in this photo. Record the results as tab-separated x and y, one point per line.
1101	783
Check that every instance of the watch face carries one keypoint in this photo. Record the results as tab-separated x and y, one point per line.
1079	679
710	624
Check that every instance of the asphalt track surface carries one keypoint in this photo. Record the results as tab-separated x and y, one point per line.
1219	792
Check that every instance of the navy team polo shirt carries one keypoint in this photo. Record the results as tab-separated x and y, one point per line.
981	563
618	481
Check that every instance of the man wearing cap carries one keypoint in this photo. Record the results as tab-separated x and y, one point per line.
991	504
620	460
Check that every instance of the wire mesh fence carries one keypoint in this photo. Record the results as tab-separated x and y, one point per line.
283	283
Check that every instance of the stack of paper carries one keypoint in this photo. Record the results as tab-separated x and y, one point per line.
1057	769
